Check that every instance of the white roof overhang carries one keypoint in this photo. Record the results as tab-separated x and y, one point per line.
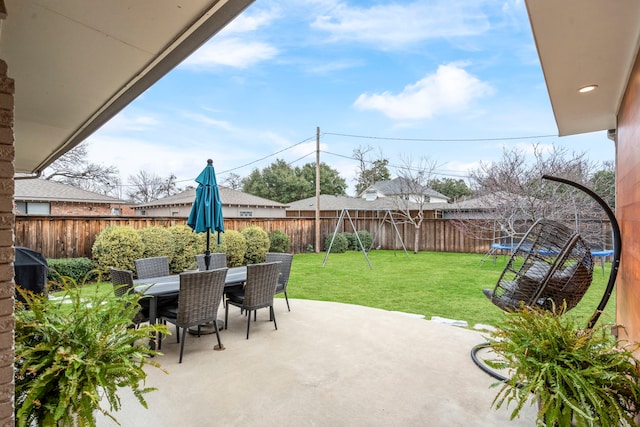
581	43
76	63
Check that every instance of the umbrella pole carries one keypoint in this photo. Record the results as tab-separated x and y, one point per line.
207	254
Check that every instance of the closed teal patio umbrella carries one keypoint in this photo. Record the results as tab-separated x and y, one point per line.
206	212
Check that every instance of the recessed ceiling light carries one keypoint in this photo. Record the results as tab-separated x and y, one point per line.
589	88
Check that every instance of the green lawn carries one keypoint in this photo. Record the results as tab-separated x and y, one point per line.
429	283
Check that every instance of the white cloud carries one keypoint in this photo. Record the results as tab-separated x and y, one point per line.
251	21
395	25
450	90
232	52
130	122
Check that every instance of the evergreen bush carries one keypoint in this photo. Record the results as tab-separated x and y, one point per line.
279	242
235	246
74	268
257	242
352	242
117	246
340	243
186	244
158	241
366	239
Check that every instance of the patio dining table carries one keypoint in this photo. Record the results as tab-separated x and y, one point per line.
155	287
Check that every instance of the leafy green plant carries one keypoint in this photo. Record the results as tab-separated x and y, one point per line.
117	246
158	241
75	268
234	245
279	242
366	238
576	375
340	243
74	353
257	242
186	244
352	242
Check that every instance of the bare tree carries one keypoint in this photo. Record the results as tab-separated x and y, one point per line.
511	194
370	170
413	185
233	181
146	187
74	168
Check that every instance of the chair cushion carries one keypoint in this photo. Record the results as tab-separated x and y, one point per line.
170	312
234	298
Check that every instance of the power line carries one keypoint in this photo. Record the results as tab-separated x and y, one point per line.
434	172
513	138
267	156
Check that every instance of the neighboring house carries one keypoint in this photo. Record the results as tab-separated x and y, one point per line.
358	207
405	189
43	197
235	204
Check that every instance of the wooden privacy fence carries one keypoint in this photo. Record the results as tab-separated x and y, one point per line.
73	236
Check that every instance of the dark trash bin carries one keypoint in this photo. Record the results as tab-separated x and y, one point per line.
31	270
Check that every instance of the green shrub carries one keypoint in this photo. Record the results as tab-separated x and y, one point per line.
74	268
257	241
365	238
340	243
279	242
352	242
186	244
158	241
235	246
117	246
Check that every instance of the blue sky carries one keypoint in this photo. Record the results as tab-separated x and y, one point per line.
451	81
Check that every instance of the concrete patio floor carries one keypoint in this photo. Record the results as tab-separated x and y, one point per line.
328	364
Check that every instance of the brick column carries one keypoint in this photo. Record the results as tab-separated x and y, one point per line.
7	221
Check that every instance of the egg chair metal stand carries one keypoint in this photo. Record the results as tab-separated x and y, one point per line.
552	265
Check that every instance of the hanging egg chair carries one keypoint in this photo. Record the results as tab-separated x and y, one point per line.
550	266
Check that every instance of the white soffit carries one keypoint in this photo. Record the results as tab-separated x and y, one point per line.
580	43
76	63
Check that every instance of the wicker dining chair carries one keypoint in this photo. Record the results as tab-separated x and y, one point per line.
218	260
285	270
122	281
152	267
198	302
259	290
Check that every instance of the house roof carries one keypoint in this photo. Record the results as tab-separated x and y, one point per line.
228	196
401	185
50	191
336	203
580	43
78	63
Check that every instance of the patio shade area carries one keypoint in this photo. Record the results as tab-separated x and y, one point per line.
328	364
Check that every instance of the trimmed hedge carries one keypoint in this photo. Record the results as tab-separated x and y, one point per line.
279	242
117	246
235	246
78	269
186	244
340	243
257	241
158	241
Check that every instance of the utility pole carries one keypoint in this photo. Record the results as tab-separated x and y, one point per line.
318	189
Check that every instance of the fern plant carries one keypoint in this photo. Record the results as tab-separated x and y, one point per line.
73	354
576	376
